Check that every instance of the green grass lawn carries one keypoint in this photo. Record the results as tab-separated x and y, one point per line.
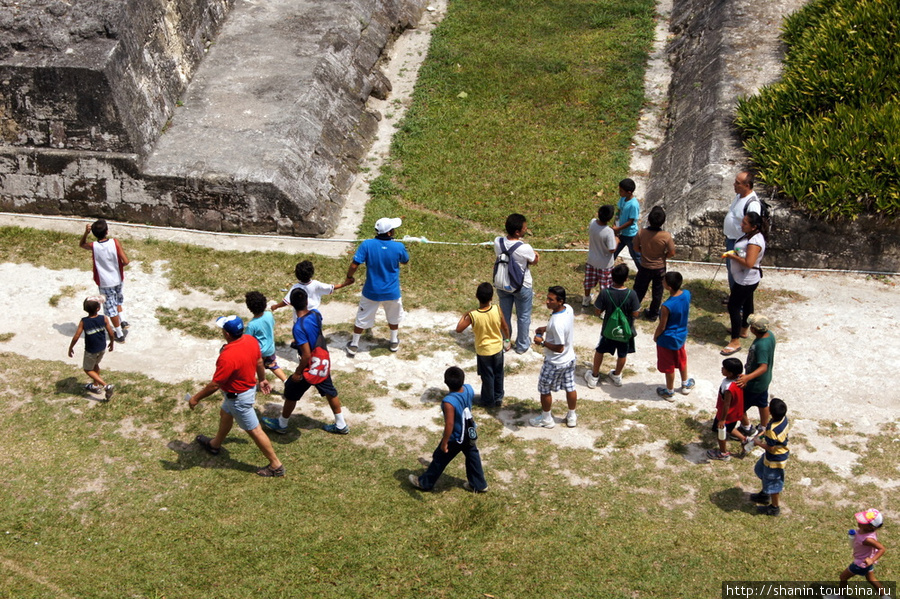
115	500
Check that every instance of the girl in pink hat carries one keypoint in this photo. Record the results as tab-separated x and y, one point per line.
866	549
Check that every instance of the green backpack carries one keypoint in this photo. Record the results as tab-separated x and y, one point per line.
616	327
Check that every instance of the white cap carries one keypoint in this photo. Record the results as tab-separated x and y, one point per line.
386	225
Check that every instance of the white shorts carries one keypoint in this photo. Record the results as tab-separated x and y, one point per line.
365	317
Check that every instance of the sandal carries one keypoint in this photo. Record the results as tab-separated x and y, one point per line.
206	443
268	471
730	351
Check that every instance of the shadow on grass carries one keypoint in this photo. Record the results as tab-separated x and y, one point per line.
191	455
733	500
445	482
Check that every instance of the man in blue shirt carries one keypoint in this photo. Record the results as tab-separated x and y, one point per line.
382	256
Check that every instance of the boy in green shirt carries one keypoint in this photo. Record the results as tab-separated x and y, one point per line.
758	372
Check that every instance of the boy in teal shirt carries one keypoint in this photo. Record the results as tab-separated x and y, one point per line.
629	218
263	328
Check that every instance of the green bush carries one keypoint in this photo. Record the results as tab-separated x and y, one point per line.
828	133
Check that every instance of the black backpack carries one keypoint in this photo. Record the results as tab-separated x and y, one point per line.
508	276
765	215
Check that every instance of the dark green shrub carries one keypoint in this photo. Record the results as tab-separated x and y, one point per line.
828	133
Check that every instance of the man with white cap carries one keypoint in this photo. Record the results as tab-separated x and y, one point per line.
382	256
238	368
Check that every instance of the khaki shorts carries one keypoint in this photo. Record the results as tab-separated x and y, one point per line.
92	361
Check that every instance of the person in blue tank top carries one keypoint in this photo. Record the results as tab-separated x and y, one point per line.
457	409
671	336
97	329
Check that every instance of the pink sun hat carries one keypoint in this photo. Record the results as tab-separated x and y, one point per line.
870	516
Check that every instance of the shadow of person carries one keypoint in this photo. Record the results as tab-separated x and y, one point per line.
66	329
444	483
191	455
733	500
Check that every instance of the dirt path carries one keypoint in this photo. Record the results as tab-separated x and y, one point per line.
836	359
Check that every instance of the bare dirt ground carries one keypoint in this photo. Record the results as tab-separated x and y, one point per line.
837	361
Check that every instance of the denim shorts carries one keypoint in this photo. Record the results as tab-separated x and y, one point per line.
759	400
241	408
860	570
772	478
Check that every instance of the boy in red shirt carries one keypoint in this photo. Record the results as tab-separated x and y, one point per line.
729	409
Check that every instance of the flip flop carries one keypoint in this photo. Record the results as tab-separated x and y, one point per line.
205	442
730	351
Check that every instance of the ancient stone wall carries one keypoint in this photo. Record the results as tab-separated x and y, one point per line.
722	50
165	113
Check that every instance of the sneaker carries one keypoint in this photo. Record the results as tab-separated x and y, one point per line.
269	472
715	454
760	428
665	393
395	345
92	388
590	379
586	301
108	391
572	420
541	423
352	349
687	386
747	431
205	442
121	338
768	510
124	324
273	425
615	379
469	488
414	481
334	429
761	498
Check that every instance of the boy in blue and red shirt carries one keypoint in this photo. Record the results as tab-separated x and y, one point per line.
729	409
671	336
95	328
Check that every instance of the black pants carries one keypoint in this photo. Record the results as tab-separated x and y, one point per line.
643	279
440	460
490	369
740	306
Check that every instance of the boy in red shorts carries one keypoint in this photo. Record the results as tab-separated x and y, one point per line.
729	409
671	335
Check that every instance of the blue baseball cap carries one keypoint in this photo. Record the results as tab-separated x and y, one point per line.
233	325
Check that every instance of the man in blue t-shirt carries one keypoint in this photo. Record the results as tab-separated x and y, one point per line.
382	256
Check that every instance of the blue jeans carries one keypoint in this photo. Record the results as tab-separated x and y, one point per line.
440	460
729	245
490	369
627	242
772	478
522	299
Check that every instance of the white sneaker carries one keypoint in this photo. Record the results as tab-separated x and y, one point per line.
687	386
572	420
590	379
541	423
615	379
586	301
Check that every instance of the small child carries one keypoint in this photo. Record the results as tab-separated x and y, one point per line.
617	296
95	328
671	335
729	409
314	289
600	259
629	217
866	549
109	273
770	467
262	326
491	341
457	409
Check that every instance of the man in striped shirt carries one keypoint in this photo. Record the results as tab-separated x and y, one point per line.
770	467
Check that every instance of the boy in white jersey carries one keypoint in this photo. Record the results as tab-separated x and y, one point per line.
109	273
314	289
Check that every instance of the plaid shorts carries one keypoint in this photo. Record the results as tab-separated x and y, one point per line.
593	276
114	299
554	378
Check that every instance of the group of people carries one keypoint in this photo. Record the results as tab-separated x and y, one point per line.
242	363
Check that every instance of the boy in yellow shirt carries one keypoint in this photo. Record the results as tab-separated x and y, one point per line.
491	341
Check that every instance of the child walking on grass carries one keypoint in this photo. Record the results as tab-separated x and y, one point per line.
729	409
770	467
95	328
866	549
458	428
671	336
491	341
262	326
315	290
